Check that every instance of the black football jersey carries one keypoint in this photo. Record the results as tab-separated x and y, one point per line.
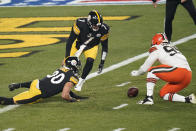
83	32
54	84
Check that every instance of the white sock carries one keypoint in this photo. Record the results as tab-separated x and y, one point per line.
150	88
174	97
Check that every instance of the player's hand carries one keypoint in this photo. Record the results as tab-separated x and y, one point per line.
74	100
134	73
100	68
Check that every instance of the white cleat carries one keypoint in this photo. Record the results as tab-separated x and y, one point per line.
78	87
192	98
147	101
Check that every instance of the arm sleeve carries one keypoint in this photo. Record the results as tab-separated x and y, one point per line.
149	62
104	51
70	41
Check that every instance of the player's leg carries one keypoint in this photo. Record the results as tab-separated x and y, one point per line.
73	49
14	86
90	56
6	101
30	96
155	73
189	6
180	80
151	82
170	11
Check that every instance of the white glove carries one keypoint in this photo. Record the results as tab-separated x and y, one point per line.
134	73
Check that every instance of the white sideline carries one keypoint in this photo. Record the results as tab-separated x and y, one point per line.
113	67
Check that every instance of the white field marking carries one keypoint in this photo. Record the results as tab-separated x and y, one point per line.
9	129
174	129
64	129
123	63
135	58
123	84
119	129
7	108
121	106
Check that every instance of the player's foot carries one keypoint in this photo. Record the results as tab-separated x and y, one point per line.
78	87
13	86
147	101
191	99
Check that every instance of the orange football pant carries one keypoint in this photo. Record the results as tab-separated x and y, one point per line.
178	78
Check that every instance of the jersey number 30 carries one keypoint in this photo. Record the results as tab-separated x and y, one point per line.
56	77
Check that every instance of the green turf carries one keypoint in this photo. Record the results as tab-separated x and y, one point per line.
127	39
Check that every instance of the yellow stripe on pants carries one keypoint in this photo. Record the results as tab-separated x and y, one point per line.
30	94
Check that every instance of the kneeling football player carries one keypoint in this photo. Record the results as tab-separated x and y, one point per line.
174	69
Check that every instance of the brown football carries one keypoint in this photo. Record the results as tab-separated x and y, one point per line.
132	92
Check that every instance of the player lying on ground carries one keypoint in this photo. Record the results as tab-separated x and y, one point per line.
62	80
174	69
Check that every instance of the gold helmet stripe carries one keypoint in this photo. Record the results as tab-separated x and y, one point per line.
97	15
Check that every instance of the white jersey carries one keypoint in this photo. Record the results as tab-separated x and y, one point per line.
167	55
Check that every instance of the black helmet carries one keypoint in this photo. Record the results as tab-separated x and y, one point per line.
95	20
73	63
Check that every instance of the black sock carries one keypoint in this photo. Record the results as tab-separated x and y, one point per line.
187	100
26	84
6	101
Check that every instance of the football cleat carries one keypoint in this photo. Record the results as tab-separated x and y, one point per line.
13	86
147	101
78	87
191	99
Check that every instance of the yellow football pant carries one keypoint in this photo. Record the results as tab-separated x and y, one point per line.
30	96
92	53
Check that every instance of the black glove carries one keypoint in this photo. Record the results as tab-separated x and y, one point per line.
100	68
73	95
74	100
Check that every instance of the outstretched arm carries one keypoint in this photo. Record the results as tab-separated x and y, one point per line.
66	92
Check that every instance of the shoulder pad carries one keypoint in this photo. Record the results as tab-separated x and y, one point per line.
105	28
152	49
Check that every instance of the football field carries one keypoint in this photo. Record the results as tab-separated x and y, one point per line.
32	45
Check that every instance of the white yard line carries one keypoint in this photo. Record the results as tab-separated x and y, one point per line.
119	129
115	66
123	84
9	129
64	129
121	106
7	108
174	129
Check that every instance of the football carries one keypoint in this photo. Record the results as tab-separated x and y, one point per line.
132	92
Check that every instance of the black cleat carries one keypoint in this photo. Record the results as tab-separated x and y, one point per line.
13	86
